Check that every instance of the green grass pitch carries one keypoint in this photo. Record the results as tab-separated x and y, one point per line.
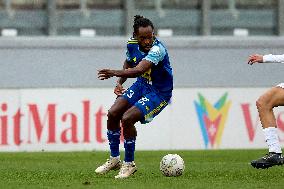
204	169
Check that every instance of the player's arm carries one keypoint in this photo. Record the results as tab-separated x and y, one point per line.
118	90
257	58
121	80
136	71
273	58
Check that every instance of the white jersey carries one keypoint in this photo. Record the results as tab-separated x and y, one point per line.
273	58
280	85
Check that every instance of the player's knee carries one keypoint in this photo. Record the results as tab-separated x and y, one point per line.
259	103
113	115
262	103
126	121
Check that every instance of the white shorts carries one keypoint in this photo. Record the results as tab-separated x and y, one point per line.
280	85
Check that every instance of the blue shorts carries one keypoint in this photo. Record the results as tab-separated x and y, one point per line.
146	98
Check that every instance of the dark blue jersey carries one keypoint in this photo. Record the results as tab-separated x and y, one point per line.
160	75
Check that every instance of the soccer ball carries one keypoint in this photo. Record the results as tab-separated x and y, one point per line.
172	165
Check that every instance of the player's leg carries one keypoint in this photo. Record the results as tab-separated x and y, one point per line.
129	118
265	104
113	134
115	113
144	110
113	124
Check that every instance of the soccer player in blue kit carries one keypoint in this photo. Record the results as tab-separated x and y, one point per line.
148	61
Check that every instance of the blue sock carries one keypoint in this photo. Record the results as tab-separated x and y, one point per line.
114	140
129	146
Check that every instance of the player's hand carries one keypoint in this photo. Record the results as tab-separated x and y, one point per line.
255	58
105	74
118	90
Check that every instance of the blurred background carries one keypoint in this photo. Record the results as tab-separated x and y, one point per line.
114	17
206	39
50	51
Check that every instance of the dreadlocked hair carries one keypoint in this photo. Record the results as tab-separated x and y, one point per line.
140	21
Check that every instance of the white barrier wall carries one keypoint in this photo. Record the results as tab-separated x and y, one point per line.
75	119
52	62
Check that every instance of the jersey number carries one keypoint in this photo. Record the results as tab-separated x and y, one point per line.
143	100
130	94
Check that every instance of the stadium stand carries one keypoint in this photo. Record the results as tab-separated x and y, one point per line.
108	17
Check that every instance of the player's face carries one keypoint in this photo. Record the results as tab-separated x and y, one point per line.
145	37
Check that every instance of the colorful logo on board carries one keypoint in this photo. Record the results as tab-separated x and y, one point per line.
212	119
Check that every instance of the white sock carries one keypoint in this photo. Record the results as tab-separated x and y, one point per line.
117	157
272	140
